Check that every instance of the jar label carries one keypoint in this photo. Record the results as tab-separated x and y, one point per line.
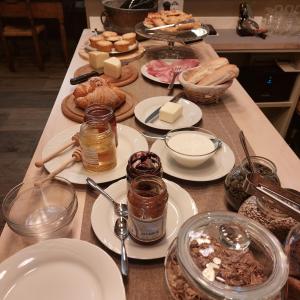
90	156
147	230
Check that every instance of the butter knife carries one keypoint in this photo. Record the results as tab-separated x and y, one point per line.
85	77
155	114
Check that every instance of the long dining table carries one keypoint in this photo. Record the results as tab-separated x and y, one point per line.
236	111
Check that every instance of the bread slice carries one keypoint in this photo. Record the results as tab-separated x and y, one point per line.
207	68
221	75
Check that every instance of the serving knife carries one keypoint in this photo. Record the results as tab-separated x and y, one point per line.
85	77
155	114
170	25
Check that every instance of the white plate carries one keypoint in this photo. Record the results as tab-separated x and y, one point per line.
144	71
180	207
191	113
129	141
61	269
216	167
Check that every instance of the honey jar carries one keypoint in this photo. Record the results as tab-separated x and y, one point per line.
147	209
102	113
98	146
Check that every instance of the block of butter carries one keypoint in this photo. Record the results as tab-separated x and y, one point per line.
112	67
97	59
170	112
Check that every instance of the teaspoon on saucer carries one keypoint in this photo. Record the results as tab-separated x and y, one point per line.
119	208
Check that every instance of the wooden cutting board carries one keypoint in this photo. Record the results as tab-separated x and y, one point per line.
125	57
129	74
71	111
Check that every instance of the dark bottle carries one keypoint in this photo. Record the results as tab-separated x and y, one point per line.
167	5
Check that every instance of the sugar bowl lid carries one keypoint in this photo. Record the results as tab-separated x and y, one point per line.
229	256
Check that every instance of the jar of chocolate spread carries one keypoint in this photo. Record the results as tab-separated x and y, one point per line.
147	209
222	255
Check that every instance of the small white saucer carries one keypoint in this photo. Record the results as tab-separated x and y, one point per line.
181	206
191	114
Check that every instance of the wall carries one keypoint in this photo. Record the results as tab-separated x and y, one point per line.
230	7
207	7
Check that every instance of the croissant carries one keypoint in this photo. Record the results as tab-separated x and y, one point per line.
98	91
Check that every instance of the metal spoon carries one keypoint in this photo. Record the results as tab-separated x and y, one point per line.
244	145
121	232
217	143
119	208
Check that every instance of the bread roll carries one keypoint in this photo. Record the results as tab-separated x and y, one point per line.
105	46
95	39
219	76
108	34
122	45
204	70
130	37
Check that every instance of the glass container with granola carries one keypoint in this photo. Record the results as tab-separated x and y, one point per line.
222	255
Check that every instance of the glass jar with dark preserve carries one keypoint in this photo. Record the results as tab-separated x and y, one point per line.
143	163
234	191
222	255
99	112
147	209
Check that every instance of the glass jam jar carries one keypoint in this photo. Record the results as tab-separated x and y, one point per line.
147	209
222	255
235	194
103	113
98	147
143	163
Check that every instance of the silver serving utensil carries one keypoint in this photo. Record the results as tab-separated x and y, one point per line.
171	25
176	71
155	114
121	232
244	145
216	142
120	209
286	200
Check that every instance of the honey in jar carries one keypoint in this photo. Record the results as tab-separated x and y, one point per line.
98	146
147	209
102	113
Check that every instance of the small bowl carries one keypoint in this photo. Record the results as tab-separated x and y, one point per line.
191	146
41	211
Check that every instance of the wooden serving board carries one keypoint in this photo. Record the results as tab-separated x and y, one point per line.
74	113
129	74
124	57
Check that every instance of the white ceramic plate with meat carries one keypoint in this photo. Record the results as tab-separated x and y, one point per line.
129	141
61	269
162	70
191	113
214	168
181	207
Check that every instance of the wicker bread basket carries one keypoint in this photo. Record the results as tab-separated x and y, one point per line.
202	94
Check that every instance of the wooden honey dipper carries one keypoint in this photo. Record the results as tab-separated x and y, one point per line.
74	142
76	157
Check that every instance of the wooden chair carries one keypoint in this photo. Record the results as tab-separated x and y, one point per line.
29	29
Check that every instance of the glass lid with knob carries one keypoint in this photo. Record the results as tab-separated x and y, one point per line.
227	256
